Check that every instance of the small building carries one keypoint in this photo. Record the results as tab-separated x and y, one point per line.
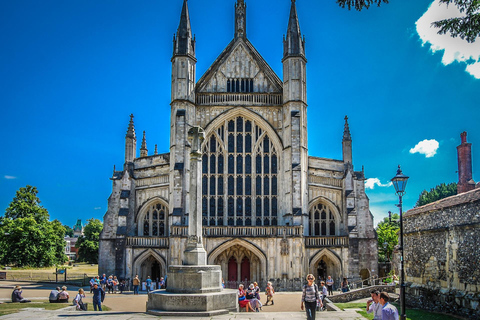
442	256
78	228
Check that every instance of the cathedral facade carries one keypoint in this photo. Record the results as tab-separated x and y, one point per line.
269	210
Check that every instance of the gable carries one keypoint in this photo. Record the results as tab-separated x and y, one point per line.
240	60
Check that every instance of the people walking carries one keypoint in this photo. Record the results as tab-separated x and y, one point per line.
149	284
374	306
136	284
269	292
324	293
329	283
98	292
389	311
310	298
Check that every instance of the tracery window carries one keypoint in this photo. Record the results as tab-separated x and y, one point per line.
322	221
239	176
154	221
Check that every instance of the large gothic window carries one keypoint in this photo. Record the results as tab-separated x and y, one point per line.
154	221
322	221
240	176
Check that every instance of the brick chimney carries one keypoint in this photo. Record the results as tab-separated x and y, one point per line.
464	152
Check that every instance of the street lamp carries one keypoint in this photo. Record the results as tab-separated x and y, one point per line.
400	182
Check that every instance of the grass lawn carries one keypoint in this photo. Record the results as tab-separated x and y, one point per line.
412	314
10	307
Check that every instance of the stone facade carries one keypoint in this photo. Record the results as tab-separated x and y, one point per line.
442	255
269	210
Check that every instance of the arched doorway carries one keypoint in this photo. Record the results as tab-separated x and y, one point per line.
150	267
322	270
239	260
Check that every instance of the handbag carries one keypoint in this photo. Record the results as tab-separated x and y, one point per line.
241	298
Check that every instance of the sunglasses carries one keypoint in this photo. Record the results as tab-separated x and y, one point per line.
309	278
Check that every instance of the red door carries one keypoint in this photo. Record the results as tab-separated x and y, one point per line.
245	270
232	269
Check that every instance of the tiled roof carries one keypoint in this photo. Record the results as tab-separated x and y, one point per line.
462	198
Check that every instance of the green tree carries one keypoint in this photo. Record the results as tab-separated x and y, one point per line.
27	237
26	204
387	236
88	243
68	231
466	27
439	192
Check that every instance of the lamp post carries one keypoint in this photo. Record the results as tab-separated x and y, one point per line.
400	182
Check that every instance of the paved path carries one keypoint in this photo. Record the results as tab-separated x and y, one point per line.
128	306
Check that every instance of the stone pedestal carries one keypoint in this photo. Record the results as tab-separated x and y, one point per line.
193	291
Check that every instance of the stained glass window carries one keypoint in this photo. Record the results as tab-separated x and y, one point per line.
154	221
250	173
322	221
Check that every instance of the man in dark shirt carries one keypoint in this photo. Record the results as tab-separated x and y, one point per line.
17	295
97	297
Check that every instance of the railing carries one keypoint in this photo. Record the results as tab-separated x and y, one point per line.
155	242
316	242
325	181
229	231
252	99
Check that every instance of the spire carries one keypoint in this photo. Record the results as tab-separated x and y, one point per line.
156	150
347	144
130	142
240	19
183	44
131	129
143	149
346	131
293	44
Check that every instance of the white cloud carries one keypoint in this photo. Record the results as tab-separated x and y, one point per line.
427	147
371	182
97	208
455	49
10	177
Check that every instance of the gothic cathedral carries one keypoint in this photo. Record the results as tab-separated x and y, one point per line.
269	210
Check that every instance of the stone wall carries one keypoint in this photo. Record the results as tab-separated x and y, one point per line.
442	259
359	293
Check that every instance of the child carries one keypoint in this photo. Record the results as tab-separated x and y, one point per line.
269	292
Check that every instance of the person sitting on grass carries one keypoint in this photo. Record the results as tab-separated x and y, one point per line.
53	297
17	295
63	295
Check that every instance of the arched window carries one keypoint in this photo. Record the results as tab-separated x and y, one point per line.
154	221
322	221
250	176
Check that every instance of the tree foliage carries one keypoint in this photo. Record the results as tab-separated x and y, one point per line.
27	237
359	4
466	27
387	236
68	231
88	243
439	192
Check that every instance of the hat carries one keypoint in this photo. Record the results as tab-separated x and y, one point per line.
18	287
251	286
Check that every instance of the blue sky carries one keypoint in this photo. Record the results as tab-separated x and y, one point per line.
73	71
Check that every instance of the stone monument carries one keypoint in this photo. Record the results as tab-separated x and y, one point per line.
194	288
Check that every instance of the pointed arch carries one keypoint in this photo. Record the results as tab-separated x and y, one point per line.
244	112
262	257
139	259
152	218
324	217
331	255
